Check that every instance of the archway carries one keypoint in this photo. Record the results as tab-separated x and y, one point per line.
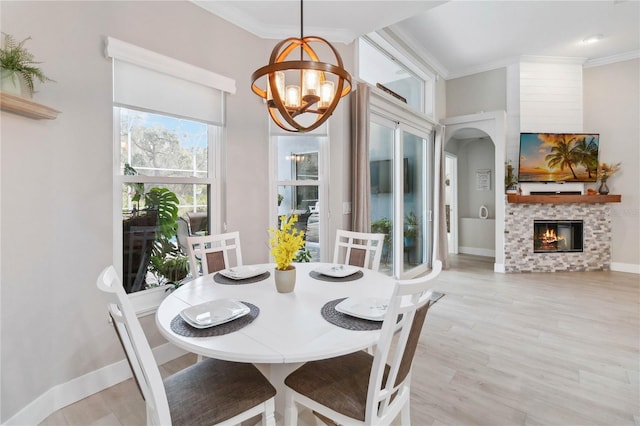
490	126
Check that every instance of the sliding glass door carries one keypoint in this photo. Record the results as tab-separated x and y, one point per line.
400	159
416	231
381	164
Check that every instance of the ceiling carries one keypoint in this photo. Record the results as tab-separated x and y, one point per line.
455	37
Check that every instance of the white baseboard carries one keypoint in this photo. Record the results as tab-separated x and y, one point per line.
477	251
81	387
625	267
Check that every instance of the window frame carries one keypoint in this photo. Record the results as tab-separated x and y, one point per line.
145	305
146	301
322	182
427	77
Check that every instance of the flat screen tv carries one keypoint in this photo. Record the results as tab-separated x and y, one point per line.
382	176
558	157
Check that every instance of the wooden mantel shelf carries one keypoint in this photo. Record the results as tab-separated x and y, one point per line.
26	107
563	199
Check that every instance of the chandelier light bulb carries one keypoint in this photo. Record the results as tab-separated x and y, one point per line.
327	91
310	84
293	96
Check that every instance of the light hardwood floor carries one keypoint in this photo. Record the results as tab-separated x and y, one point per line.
497	349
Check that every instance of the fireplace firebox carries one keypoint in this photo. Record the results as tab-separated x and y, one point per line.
557	236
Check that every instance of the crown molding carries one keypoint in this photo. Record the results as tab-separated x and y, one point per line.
231	13
553	59
402	41
627	56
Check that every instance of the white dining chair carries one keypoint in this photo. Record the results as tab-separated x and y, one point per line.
212	253
208	392
360	388
358	249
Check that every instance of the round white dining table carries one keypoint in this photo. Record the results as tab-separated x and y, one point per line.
289	329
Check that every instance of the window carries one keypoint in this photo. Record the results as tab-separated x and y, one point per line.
168	135
381	65
300	185
166	192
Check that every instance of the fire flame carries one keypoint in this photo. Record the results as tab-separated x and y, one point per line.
549	237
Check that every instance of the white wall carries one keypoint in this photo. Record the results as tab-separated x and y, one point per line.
485	91
612	108
56	177
551	97
475	155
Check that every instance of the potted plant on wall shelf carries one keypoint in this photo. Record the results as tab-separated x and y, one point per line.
510	178
18	68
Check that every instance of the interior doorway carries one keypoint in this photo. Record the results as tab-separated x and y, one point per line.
474	204
451	200
490	129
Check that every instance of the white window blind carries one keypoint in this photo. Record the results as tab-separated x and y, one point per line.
150	81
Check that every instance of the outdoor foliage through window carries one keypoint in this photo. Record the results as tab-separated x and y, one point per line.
164	161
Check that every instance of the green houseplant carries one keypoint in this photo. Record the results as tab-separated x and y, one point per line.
510	178
410	229
17	66
164	258
383	226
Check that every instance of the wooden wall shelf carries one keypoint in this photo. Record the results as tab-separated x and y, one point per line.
26	107
563	199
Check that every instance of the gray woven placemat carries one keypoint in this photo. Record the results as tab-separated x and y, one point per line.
322	277
181	327
221	279
329	313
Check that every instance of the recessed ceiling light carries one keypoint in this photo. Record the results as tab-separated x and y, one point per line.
593	39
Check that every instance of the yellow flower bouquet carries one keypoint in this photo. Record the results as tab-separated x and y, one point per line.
286	242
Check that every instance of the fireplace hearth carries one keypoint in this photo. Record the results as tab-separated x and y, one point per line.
596	233
557	236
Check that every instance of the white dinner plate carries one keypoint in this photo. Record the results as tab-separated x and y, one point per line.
215	312
243	272
337	271
369	308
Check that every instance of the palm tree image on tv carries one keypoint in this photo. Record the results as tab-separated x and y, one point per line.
558	157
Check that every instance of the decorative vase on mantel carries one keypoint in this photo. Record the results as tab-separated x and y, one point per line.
285	279
604	189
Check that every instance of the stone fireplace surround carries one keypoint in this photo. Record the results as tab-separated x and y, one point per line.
519	255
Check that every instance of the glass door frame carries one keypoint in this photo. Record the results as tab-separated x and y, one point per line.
384	110
321	183
426	215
